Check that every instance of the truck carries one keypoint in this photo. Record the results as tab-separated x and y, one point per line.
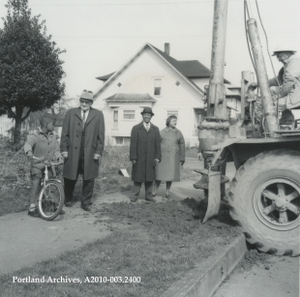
264	195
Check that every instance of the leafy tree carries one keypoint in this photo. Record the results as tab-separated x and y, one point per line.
57	110
30	67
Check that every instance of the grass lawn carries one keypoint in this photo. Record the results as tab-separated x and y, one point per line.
13	201
14	180
150	247
14	196
155	243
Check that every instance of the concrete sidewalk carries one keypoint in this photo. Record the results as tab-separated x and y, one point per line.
26	240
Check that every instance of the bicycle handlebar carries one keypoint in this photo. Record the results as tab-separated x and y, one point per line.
47	163
52	163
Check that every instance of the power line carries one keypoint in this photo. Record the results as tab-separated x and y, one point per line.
126	4
158	37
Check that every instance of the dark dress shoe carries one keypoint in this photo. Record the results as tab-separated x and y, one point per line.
62	212
90	203
133	199
85	207
150	199
68	204
34	214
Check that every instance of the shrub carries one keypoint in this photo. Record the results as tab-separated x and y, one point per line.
16	146
16	167
110	180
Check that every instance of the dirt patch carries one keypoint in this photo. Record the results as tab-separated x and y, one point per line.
253	257
14	195
174	220
13	201
158	242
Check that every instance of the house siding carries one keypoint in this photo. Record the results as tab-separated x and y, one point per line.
5	124
139	77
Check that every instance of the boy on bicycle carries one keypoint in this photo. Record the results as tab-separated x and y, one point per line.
41	144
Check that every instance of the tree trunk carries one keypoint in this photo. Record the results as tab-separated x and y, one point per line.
17	132
19	118
18	123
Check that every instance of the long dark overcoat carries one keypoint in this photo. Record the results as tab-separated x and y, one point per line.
93	142
144	147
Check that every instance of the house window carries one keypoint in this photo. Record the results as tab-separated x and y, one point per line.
119	140
199	118
157	87
126	141
122	141
172	112
115	118
129	115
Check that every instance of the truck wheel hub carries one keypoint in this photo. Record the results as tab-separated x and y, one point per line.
280	204
277	203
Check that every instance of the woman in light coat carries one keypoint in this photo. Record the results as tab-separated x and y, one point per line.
173	156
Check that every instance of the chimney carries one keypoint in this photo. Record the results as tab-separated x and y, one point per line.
167	48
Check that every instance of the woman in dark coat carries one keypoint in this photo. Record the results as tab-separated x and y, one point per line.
173	155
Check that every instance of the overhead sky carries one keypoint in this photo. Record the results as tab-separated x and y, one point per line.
101	35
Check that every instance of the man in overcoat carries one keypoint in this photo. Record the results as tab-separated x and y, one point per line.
145	154
82	144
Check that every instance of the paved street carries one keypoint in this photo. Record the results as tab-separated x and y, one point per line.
280	278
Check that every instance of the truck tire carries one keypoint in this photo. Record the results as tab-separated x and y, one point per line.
264	198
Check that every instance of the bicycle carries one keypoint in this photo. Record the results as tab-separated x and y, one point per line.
51	197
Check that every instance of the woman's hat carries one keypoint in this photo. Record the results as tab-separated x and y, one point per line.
147	110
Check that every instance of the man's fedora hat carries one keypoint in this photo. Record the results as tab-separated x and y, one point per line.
147	110
87	95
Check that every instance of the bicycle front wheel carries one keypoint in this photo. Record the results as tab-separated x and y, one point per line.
51	200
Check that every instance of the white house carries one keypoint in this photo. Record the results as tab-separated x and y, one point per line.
153	78
5	125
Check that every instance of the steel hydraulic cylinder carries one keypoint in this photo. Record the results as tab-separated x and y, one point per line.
269	112
216	106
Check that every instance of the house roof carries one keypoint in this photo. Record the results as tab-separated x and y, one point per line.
190	68
105	77
129	97
187	69
193	69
